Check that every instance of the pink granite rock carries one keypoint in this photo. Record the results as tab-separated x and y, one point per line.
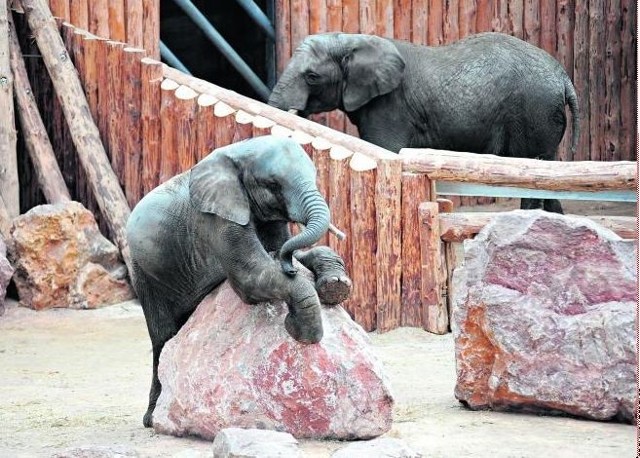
234	365
544	318
6	272
62	260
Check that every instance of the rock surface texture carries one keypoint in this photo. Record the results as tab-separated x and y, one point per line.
382	447
254	443
62	260
544	318
234	365
6	272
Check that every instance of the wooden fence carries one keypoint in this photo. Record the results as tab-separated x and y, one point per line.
595	41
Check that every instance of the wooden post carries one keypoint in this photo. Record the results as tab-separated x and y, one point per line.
367	17
184	115
596	78
134	16
104	103
484	15
304	140
340	205
416	188
224	124
86	137
581	79
613	54
79	13
435	317
429	15
151	78
151	24
318	24
9	186
283	33
321	150
262	126
168	152
389	236
364	240
450	30
628	83
516	18
564	27
99	17
243	126
132	95
35	135
384	18
335	118
116	114
299	22
60	9
205	126
532	22
281	131
117	29
350	16
548	26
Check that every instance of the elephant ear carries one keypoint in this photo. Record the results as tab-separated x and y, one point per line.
373	67
215	187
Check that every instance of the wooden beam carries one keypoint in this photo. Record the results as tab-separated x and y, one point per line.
86	137
9	186
527	173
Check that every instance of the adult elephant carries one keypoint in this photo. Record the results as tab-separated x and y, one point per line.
220	220
487	93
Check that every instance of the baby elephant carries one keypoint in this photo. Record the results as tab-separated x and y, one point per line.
220	220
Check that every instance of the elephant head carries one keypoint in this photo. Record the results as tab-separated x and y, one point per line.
266	178
338	70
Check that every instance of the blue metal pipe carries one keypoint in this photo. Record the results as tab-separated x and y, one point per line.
259	17
171	59
224	47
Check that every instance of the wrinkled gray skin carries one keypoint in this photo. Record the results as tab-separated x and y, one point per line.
220	220
487	93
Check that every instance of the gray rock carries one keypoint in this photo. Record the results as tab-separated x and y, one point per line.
254	443
97	451
544	318
382	447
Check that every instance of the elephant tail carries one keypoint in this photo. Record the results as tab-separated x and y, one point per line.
572	100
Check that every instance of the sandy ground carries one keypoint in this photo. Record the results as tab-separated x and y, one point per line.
80	377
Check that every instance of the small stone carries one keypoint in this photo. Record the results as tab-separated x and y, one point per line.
544	318
254	443
382	447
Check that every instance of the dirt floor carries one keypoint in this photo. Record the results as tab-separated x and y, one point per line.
74	378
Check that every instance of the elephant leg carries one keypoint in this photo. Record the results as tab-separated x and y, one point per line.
332	282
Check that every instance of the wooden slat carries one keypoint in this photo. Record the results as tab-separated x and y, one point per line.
389	253
612	67
564	27
368	16
134	26
429	14
434	308
151	79
318	24
224	124
117	25
104	103
335	118
516	18
262	126
79	13
484	15
596	78
402	19
299	22
99	17
467	17
351	16
628	82
283	33
184	114
415	189
168	153
364	240
132	152
450	29
321	149
532	21
548	25
205	126
384	18
116	119
151	31
243	126
304	140
60	9
581	77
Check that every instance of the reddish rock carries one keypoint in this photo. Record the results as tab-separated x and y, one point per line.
234	365
544	318
62	260
6	272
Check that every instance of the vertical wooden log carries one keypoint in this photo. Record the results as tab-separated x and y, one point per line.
484	15
151	24
283	33
151	79
134	25
69	165
402	19
500	21
351	16
628	83
90	48
9	185
117	30
435	317
304	140
205	126
581	77
99	17
516	18
415	189
104	103
384	18
596	78
340	206
116	124
335	118
281	131
467	17
364	240
60	9
564	26
299	22
548	25
225	124
168	152
426	22
450	30
532	22
243	126
613	55
79	13
262	126
321	149
318	24
185	108
132	94
389	236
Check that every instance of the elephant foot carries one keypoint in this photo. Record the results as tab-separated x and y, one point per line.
147	420
333	289
302	333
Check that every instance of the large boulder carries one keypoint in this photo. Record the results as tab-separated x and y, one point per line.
234	365
544	318
62	260
6	272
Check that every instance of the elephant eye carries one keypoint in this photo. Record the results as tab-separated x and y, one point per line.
312	77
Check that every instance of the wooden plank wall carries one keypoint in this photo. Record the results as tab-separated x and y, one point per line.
594	40
135	22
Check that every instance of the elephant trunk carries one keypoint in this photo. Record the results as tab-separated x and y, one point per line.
315	216
290	92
